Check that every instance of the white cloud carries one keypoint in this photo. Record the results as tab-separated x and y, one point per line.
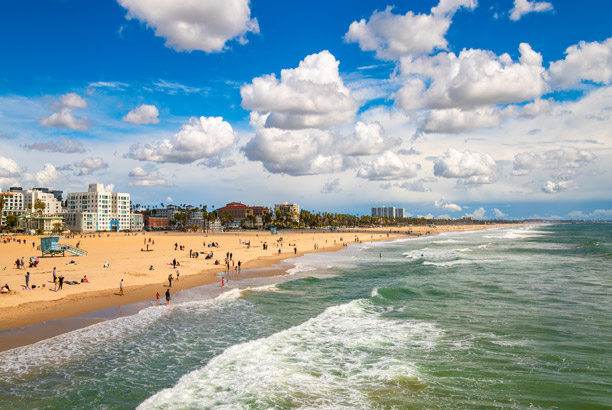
455	120
369	139
447	206
109	188
331	186
90	165
522	7
474	78
565	157
205	25
67	146
537	107
477	214
498	213
470	167
310	96
392	36
202	138
48	175
62	113
388	166
147	178
9	168
552	187
143	114
584	61
296	152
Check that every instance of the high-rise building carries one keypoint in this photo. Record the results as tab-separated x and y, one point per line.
289	209
388	212
98	210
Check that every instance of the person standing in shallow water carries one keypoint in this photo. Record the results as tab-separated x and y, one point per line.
167	296
121	288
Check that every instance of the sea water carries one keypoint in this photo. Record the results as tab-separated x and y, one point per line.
510	317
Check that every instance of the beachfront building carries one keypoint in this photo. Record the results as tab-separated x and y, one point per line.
20	203
292	210
136	222
388	212
33	224
97	209
154	223
239	212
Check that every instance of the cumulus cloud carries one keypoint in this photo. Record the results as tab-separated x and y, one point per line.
9	168
368	139
143	114
447	206
331	186
90	165
392	36
296	152
310	96
67	146
48	175
474	78
469	167
498	213
477	214
205	25
565	157
388	166
147	178
583	61
455	120
522	7
217	162
537	107
551	187
202	138
62	113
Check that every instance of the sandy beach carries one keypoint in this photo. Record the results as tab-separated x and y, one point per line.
128	259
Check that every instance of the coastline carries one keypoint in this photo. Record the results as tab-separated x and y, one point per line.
31	321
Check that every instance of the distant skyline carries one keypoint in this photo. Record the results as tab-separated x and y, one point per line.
447	108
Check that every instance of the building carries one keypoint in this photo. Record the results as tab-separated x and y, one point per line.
40	224
153	223
240	212
293	210
14	202
98	210
19	202
136	222
388	212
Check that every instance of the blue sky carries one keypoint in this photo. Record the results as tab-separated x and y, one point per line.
447	108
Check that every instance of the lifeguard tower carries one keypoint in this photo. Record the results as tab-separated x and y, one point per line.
50	246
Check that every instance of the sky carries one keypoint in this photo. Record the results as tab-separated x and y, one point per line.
447	108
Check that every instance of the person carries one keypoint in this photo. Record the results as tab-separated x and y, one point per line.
85	280
151	267
294	251
170	280
223	282
61	281
106	265
167	296
54	274
239	265
157	296
5	288
33	244
121	288
27	277
56	282
22	263
177	275
174	263
190	253
175	245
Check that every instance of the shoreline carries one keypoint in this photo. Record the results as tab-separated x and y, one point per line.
28	322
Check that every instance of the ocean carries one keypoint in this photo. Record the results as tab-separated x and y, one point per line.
509	317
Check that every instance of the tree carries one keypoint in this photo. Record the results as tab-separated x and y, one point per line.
2	203
57	227
11	221
39	206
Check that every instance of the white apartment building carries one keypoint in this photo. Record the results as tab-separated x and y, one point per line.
388	212
290	209
98	210
19	202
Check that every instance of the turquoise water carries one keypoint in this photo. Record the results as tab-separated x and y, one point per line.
503	318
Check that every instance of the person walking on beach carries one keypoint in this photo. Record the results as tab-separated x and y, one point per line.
54	275
167	296
177	275
175	245
22	263
174	263
170	280
27	277
121	288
